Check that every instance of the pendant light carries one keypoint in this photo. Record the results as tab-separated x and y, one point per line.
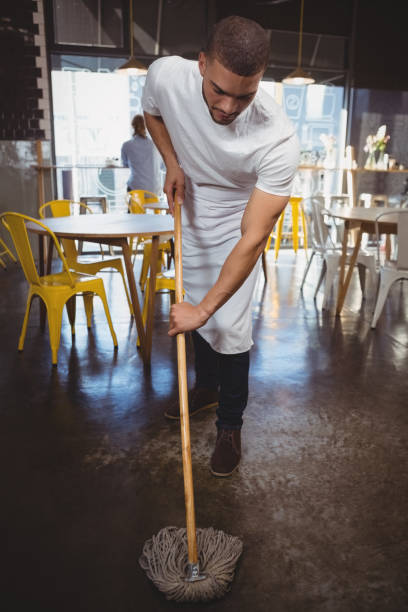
299	76
132	66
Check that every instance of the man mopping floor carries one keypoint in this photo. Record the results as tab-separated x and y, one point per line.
230	154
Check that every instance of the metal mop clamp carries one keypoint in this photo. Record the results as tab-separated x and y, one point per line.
193	566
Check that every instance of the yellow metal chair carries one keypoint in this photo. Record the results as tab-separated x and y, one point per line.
62	208
136	200
297	210
5	251
55	290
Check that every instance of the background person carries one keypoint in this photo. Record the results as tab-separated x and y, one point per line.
141	156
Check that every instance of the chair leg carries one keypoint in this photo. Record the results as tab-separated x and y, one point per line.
321	278
264	266
145	305
145	266
54	326
71	310
362	277
304	227
295	227
374	277
119	267
25	321
102	295
329	282
88	304
170	254
385	285
3	264
278	236
307	270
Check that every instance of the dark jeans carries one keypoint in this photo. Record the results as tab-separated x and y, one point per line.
229	374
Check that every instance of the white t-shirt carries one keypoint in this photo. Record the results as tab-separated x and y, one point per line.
222	165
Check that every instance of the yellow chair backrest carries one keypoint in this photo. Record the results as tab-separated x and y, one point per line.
137	198
58	208
16	225
62	208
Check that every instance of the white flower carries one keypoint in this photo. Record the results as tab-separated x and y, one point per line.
381	132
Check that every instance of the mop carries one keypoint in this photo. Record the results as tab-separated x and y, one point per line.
189	564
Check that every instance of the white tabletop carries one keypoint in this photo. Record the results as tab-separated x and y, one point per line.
106	226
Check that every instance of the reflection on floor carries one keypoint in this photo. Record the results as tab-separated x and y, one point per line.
91	469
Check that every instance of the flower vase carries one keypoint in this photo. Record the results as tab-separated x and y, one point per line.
380	165
330	158
370	163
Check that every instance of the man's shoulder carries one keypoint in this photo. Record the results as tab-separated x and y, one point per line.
271	115
171	63
268	105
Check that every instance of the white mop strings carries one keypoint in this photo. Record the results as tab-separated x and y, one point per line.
164	559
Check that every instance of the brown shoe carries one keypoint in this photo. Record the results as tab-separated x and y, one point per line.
227	454
199	399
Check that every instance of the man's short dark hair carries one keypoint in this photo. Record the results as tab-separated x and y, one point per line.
240	45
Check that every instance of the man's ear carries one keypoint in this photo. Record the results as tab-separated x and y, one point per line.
202	62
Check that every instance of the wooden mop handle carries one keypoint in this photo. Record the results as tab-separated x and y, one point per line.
183	397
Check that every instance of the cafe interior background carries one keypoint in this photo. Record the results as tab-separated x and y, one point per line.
61	87
338	387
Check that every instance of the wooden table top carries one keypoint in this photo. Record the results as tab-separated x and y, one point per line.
359	213
106	226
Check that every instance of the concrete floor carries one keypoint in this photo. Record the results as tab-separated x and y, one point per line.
90	469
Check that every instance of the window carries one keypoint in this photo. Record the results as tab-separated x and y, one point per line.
93	107
320	121
88	22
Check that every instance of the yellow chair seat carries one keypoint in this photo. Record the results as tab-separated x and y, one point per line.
62	278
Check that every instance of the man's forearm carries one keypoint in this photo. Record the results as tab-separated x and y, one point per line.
161	139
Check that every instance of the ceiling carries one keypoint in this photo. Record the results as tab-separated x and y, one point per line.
374	31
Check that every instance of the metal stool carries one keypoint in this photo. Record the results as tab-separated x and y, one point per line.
297	215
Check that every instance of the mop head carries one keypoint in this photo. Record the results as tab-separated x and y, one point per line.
164	559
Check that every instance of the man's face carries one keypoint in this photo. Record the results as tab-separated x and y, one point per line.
226	94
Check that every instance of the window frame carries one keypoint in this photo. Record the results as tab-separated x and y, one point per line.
74	49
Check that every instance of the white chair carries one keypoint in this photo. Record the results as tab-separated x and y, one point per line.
330	252
343	199
392	271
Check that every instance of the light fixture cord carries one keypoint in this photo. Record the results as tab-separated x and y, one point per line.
300	34
131	26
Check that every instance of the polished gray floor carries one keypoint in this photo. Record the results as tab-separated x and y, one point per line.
90	469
